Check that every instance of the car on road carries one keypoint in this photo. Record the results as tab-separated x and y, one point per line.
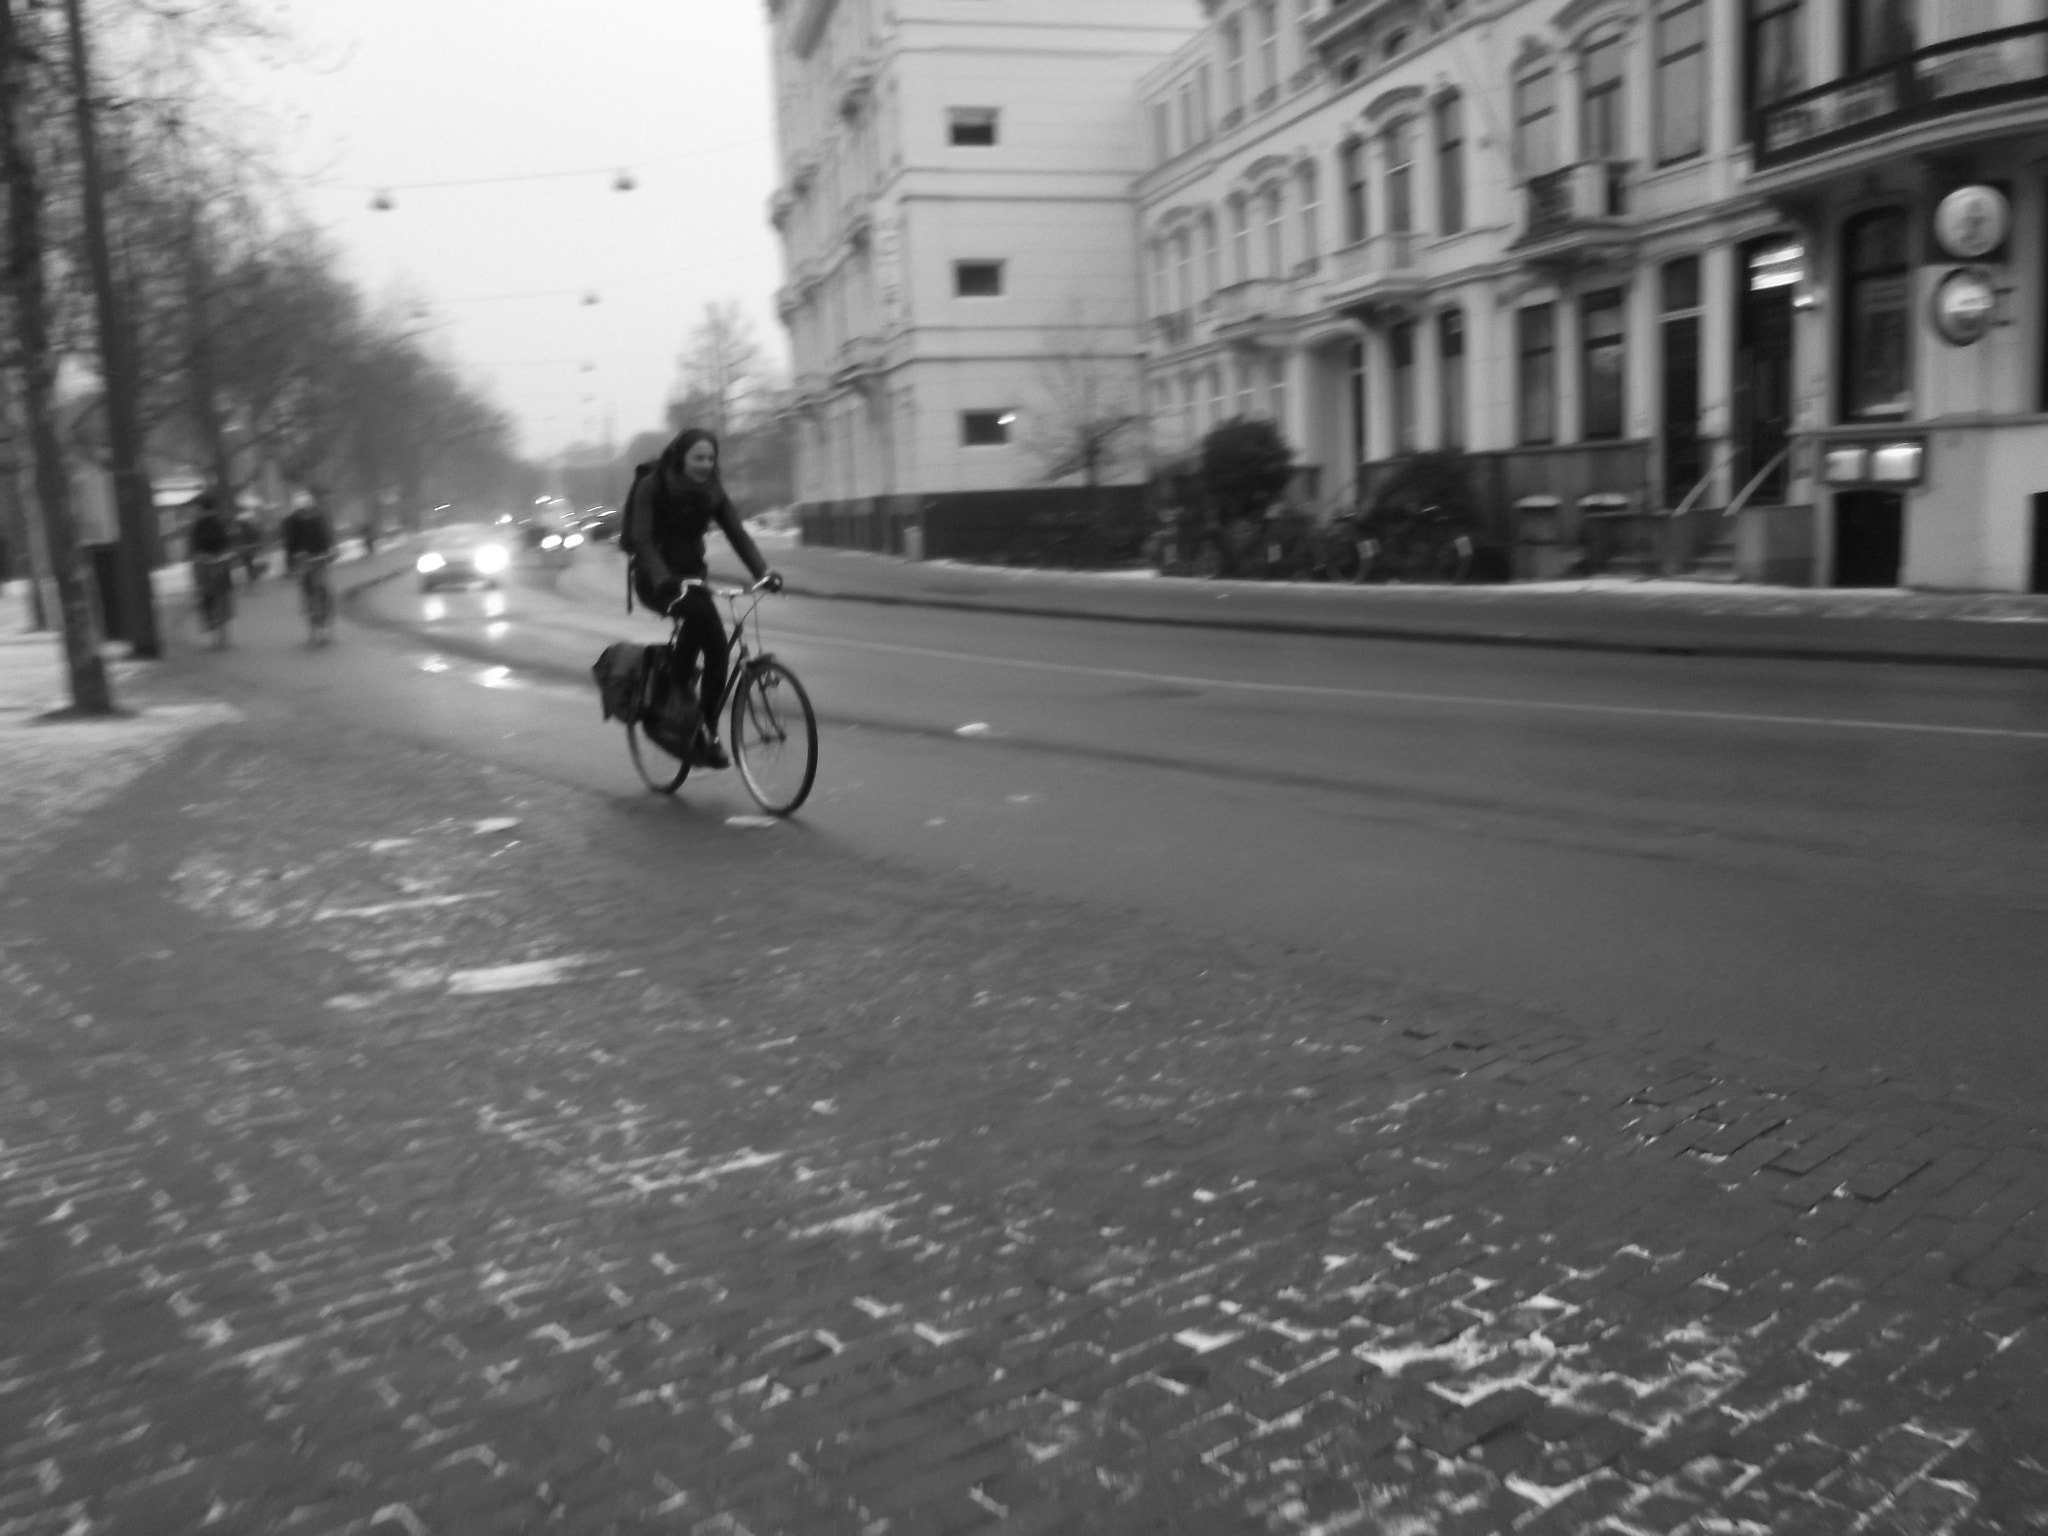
599	524
549	541
463	554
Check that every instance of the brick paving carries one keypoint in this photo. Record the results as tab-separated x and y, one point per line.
389	1144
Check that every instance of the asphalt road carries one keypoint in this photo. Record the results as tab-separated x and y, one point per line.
1842	862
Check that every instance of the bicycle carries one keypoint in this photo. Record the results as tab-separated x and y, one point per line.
316	597
1426	545
774	732
214	577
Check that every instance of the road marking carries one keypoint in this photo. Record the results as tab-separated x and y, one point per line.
1477	701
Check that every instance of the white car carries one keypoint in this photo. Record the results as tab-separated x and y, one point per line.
464	554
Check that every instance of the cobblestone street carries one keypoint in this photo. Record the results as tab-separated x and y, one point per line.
391	1144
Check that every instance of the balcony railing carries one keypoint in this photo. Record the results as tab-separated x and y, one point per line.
1383	255
1590	190
1255	299
1960	74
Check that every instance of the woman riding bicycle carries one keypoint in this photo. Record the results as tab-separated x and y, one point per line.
672	505
308	546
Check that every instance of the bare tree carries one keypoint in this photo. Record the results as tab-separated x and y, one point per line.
720	369
1084	412
28	292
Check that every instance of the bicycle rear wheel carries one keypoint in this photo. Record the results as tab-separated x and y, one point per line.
658	771
774	737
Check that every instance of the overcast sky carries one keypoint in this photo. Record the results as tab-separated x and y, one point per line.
396	93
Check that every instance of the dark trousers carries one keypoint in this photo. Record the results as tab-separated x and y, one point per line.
703	634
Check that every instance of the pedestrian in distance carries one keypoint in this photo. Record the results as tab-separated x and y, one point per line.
673	503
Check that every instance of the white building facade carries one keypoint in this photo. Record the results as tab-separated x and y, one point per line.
957	223
1679	258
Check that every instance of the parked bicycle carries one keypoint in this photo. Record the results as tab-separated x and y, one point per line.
1426	544
774	732
214	583
316	597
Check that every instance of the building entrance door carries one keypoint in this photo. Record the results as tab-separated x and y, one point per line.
1869	538
2037	573
1768	273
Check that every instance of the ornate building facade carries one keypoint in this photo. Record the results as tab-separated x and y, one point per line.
956	219
1762	278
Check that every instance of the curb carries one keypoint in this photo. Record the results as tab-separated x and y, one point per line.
1479	637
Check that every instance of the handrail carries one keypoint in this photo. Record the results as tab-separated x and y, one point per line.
1742	497
1699	490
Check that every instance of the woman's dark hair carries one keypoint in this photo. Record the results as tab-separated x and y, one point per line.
673	455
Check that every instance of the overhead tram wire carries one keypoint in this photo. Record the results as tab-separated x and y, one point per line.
622	176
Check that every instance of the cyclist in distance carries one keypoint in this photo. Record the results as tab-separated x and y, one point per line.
210	543
672	505
308	542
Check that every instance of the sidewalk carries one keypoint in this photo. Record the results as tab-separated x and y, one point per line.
1612	614
392	1144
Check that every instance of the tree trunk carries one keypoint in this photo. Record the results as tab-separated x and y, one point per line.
134	501
90	693
205	399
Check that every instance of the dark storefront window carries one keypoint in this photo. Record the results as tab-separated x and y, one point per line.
1536	395
1679	338
1876	315
1604	362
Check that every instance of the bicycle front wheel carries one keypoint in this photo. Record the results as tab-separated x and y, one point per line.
774	737
658	771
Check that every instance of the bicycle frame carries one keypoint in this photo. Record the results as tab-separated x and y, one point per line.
739	655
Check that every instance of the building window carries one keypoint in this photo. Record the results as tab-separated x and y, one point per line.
1162	295
1276	388
1876	315
1450	376
1351	165
1679	333
1203	101
1240	241
1536	345
1233	68
1188	135
1162	133
1450	165
1184	270
978	279
1401	360
972	127
1267	14
1536	122
1774	57
1276	240
1398	143
1602	367
1600	123
986	429
1212	256
1311	233
1681	79
1879	32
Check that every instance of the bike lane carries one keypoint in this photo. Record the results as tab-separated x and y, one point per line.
390	1141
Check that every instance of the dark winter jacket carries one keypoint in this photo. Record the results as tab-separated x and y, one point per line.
306	532
209	535
663	530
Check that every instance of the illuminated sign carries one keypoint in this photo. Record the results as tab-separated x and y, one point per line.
1897	463
1845	465
1964	303
1886	461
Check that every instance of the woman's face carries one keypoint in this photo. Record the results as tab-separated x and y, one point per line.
700	461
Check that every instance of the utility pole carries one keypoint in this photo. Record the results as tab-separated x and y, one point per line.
134	500
90	693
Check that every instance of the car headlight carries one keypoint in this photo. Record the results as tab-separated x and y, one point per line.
492	558
552	541
429	563
572	541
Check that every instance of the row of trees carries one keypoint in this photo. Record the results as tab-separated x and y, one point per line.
174	317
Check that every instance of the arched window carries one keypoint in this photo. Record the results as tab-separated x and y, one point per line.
1536	121
1876	314
1240	241
1271	206
1212	256
1397	142
1450	164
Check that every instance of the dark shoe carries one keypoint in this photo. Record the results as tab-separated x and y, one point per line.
710	754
